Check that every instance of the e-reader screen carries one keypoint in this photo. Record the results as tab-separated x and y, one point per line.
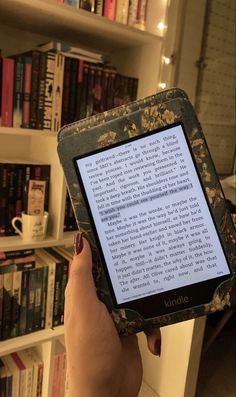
151	215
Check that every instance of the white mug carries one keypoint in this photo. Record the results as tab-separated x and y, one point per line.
33	227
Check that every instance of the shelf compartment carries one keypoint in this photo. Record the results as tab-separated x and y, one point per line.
63	22
25	341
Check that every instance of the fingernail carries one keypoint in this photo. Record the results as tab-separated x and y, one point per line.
78	243
157	347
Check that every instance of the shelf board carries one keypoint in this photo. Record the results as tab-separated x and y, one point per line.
23	342
15	242
67	23
26	132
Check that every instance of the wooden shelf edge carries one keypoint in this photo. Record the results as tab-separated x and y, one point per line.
14	242
26	132
64	22
25	341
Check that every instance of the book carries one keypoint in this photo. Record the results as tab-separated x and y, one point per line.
62	272
61	277
3	198
79	90
38	366
58	370
18	91
1	61
16	302
73	89
28	368
57	91
10	363
1	304
34	89
6	378
27	91
66	92
7	305
88	5
122	8
141	15
24	302
45	260
109	10
73	3
41	90
132	12
99	7
48	93
7	92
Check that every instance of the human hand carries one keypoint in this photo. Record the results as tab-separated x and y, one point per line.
99	362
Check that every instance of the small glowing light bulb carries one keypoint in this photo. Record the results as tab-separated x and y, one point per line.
162	85
166	60
161	26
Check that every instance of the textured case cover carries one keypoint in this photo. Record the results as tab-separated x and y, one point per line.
119	124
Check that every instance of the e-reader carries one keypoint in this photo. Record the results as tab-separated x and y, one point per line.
145	192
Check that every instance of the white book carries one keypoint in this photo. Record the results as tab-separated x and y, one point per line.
57	92
37	369
29	372
122	9
68	49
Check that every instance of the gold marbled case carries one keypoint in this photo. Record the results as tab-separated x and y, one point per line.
119	124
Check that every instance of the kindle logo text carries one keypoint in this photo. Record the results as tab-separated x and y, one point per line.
178	301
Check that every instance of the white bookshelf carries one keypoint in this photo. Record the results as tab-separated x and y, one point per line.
23	25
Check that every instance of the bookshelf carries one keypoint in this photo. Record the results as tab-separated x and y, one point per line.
23	25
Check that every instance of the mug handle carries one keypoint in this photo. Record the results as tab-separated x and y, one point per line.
13	222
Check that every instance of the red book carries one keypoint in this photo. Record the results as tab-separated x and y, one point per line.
7	91
110	9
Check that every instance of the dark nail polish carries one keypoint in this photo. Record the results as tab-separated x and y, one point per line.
78	243
158	347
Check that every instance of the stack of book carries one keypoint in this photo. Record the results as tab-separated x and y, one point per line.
59	385
131	12
13	179
32	286
57	84
21	374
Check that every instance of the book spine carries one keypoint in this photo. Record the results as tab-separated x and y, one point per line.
22	370
30	302
141	14
105	79
91	90
132	12
34	88
66	92
27	92
73	90
1	304
99	7
1	82
57	92
88	5
7	92
40	381
16	254
44	297
16	302
19	189
24	302
42	172
38	297
122	9
111	88
18	92
3	198
79	88
41	89
7	305
97	89
50	69
84	91
11	200
50	295
109	9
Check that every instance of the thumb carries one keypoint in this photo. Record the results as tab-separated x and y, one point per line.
80	290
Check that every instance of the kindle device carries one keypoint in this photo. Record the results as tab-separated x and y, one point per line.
145	191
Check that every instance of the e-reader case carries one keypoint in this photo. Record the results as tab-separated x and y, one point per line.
119	124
